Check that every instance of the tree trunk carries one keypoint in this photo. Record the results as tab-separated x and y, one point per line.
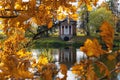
87	21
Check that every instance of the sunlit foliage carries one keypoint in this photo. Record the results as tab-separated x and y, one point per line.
92	48
16	62
88	3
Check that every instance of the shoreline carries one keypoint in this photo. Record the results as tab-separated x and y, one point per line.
55	42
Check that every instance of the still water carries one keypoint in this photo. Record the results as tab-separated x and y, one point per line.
68	56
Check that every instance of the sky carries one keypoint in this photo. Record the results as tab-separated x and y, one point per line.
100	1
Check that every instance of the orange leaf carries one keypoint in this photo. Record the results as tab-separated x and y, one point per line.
111	57
50	24
107	34
92	48
91	75
74	16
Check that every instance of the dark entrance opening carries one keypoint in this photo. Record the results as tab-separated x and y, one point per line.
66	38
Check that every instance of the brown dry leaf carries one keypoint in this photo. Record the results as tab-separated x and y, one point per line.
107	34
63	69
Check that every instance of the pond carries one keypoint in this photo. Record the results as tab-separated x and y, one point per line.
68	56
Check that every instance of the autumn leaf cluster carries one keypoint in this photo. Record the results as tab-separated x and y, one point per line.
16	60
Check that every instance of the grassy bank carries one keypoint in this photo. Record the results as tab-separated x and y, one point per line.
56	42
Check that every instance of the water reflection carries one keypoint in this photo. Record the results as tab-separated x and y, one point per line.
68	56
118	77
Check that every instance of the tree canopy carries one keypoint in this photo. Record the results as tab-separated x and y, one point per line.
98	16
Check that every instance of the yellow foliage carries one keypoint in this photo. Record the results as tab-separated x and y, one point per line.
15	60
89	7
74	16
18	6
92	48
22	53
61	16
42	60
88	3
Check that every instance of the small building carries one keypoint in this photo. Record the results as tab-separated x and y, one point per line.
67	29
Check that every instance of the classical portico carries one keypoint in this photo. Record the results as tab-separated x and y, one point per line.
67	29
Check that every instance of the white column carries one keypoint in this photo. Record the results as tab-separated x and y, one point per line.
61	30
71	29
68	29
64	29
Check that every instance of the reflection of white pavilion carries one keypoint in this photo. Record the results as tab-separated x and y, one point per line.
67	56
67	29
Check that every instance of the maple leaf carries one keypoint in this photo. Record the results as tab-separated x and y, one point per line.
92	48
107	34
